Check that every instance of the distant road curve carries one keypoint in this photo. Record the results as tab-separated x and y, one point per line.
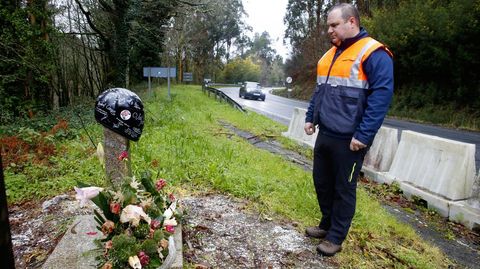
281	109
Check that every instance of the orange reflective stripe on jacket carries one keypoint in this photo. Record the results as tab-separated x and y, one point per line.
347	69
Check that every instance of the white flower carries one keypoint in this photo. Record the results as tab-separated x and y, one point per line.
169	212
134	184
170	222
86	194
117	196
133	214
134	262
146	203
101	154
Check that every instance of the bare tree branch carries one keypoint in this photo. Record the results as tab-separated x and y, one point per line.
90	22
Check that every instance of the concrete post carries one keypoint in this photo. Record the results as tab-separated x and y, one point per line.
116	169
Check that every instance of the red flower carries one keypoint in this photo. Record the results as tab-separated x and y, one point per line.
170	229
171	197
160	184
155	224
115	208
144	259
123	155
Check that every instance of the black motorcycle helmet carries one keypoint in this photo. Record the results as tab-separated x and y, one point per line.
121	111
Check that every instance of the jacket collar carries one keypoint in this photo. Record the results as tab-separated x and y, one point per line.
349	41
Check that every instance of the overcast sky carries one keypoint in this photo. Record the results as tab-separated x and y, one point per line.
267	15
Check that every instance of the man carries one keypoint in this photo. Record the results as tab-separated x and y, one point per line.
353	93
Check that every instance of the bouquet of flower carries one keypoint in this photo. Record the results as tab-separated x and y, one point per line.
137	220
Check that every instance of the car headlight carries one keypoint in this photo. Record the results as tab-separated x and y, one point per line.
249	90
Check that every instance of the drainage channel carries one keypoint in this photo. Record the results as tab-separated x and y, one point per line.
271	146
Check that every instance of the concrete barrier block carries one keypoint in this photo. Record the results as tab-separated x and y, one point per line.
383	149
435	202
296	128
462	212
440	166
379	177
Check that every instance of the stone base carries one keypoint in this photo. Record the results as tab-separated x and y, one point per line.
77	249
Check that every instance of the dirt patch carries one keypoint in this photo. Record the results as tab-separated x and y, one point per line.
37	227
220	233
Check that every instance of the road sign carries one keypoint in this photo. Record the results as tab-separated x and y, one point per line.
159	72
289	80
187	77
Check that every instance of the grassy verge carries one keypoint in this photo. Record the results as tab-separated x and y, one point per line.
446	115
184	140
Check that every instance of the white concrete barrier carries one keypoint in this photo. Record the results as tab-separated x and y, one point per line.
443	167
381	153
296	131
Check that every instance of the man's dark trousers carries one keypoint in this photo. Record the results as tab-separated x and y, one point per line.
335	172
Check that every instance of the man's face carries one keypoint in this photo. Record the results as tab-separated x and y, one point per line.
338	28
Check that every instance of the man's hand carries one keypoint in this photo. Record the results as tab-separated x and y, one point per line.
309	128
356	145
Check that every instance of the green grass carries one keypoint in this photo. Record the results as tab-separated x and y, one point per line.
194	152
445	115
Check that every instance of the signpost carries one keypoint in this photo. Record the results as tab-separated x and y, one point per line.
289	89
159	72
187	77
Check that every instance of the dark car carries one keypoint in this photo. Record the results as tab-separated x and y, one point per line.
251	90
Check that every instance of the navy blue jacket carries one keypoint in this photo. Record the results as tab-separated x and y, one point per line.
378	68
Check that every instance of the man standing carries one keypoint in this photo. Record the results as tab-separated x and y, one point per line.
352	96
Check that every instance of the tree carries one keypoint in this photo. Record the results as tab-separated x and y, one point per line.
202	37
26	60
434	43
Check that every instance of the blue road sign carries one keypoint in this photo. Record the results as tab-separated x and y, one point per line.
159	72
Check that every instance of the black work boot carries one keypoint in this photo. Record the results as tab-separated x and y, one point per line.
328	248
316	232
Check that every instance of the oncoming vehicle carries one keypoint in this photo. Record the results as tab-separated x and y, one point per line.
251	90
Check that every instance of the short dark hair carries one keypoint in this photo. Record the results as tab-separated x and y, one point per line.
348	10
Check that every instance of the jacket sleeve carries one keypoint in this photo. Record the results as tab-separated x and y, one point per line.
311	105
379	70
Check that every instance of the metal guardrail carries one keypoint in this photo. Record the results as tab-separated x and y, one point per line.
221	96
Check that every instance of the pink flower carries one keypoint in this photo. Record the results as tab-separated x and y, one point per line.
155	224
170	229
109	244
123	155
108	227
107	265
115	208
144	259
171	197
160	184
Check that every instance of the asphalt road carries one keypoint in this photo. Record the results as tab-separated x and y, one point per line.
281	109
